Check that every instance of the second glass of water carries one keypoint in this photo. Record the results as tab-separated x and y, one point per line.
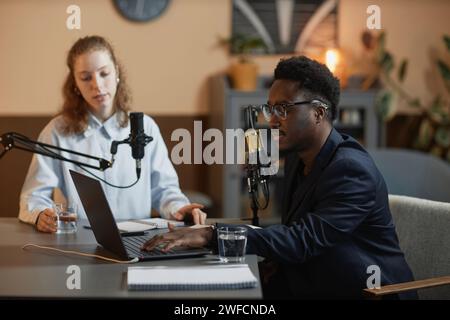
232	242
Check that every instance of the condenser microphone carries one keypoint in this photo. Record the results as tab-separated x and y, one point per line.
261	154
254	151
257	152
253	144
138	139
136	133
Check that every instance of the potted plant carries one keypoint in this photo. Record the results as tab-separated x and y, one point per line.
244	72
434	129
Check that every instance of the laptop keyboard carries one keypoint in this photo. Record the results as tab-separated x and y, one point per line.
133	246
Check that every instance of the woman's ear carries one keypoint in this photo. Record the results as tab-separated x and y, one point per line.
117	74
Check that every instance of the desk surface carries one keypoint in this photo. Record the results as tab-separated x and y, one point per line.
37	273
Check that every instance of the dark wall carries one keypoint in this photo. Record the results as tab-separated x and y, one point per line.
14	165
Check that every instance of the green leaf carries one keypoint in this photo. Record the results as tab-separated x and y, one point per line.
445	118
415	103
435	110
244	44
383	104
438	113
387	62
380	48
252	44
424	137
447	41
436	151
437	103
442	137
402	70
444	69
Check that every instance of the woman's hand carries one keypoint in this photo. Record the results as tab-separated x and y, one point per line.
46	221
191	212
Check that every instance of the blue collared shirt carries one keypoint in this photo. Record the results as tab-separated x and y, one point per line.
157	188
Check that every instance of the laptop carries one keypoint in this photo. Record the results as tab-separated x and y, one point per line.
105	228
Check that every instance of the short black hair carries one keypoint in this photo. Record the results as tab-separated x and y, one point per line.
313	76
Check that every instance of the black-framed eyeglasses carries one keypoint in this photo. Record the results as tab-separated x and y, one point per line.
281	110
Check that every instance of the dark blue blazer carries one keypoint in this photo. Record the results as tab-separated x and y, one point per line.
335	224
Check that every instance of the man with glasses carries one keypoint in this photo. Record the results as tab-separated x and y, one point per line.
336	223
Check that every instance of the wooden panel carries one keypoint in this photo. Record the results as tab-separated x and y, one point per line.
402	130
14	164
192	176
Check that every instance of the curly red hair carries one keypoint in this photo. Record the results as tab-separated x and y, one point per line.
75	110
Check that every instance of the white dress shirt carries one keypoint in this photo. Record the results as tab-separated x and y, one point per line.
157	188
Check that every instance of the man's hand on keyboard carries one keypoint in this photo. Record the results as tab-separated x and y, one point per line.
182	237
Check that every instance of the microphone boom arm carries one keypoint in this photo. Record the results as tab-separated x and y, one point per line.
137	141
16	140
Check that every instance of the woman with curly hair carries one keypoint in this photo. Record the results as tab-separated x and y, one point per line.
94	113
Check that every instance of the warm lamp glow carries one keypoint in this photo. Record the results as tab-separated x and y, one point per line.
335	61
332	59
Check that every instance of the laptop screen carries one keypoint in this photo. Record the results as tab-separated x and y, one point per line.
99	213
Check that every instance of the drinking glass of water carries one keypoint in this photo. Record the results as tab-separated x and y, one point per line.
66	217
232	242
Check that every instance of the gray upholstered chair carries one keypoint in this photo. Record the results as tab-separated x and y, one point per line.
423	228
412	173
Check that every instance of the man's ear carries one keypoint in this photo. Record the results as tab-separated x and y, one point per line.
319	114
